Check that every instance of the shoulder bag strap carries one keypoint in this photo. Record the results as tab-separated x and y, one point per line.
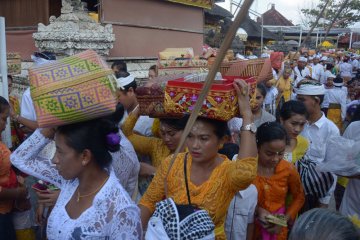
186	181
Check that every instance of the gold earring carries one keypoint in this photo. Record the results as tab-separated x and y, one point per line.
221	146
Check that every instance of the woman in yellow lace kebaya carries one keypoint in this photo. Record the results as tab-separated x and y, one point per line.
284	85
157	148
275	180
213	179
293	116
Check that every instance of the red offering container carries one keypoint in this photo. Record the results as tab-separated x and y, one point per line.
221	103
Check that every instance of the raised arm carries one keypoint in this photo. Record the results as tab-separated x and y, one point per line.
243	171
142	145
31	158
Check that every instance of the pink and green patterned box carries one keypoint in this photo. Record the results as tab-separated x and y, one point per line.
74	89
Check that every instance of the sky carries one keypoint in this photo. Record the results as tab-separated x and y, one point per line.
288	8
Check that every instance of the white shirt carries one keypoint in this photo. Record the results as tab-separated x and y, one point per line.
126	165
318	72
143	125
112	215
241	212
350	204
27	106
345	69
338	96
317	133
355	64
300	75
270	100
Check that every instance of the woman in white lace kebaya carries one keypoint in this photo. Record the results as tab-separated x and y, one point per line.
92	203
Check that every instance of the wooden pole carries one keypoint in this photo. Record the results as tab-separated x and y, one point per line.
229	37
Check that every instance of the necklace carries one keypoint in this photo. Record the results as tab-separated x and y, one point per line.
94	192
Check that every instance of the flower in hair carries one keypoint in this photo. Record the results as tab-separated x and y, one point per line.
112	139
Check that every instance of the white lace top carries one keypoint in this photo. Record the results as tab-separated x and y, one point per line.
112	215
126	165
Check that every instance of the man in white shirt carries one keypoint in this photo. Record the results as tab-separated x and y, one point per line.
301	71
239	223
317	69
126	86
318	130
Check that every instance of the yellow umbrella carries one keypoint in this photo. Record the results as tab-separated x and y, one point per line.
326	44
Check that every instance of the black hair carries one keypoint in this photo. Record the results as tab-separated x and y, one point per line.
4	104
270	131
220	127
262	89
292	107
120	65
329	66
229	150
11	77
117	116
153	67
92	135
319	97
356	116
345	59
177	124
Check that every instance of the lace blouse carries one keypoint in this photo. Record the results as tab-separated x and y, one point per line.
112	215
126	165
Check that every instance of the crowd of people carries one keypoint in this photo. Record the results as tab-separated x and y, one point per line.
254	177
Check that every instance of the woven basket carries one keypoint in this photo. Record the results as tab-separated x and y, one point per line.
151	105
260	69
73	89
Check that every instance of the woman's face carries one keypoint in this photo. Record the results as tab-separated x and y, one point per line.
3	117
294	125
68	162
258	102
170	136
270	153
152	74
202	142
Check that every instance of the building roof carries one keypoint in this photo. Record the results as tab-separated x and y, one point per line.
253	29
273	18
219	12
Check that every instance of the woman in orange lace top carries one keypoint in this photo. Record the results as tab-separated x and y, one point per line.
276	178
213	179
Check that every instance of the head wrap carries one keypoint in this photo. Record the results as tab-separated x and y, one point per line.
310	88
338	82
302	59
121	82
324	58
235	124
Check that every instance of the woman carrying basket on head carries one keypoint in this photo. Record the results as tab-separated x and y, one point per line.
212	179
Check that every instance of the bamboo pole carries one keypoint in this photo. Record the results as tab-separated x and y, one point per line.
229	37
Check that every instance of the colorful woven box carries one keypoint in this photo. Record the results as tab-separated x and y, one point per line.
182	63
73	89
221	102
13	63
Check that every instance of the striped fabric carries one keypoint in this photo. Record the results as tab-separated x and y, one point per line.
315	183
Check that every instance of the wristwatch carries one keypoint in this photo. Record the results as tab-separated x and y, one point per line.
249	127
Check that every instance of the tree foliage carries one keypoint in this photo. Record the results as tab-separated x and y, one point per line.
349	16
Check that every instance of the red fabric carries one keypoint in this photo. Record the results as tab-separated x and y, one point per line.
276	59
